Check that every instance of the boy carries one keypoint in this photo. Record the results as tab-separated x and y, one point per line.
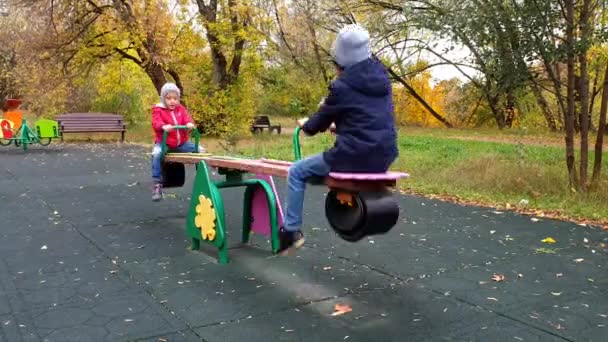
360	105
166	114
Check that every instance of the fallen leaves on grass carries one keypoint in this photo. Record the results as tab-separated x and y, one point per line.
548	240
498	277
341	309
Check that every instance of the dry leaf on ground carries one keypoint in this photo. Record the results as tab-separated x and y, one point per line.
341	309
498	277
548	240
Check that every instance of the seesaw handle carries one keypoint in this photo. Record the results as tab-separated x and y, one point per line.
178	127
297	151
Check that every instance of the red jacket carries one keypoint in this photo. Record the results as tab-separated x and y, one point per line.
163	116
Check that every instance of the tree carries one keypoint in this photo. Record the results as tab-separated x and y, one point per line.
227	27
83	33
390	33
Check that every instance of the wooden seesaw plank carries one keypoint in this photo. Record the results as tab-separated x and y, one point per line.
345	181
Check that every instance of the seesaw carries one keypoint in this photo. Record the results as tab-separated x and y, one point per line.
357	205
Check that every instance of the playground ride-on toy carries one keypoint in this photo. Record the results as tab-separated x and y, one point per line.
14	128
357	205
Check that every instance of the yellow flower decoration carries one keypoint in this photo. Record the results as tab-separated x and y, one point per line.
205	218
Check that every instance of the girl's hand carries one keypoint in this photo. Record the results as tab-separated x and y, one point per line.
167	128
190	125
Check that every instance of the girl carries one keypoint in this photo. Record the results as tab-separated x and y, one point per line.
166	114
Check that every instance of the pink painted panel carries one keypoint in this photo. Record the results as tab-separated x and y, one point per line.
259	209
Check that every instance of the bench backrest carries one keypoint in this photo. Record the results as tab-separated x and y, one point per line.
90	120
261	120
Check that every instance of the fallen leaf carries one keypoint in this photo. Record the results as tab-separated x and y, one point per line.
579	260
128	320
556	293
492	232
492	298
585	240
548	240
341	309
327	268
44	247
498	277
113	271
534	219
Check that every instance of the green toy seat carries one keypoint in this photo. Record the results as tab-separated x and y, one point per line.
47	128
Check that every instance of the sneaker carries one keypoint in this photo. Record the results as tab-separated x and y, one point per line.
157	192
289	241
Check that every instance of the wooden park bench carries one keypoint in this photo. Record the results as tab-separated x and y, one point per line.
263	121
91	123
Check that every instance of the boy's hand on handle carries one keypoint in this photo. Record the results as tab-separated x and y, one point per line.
332	128
167	128
190	125
301	122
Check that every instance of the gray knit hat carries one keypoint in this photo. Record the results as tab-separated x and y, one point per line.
351	46
167	88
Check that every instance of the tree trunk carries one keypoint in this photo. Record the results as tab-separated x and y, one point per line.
593	94
223	76
315	46
509	110
571	87
599	141
499	114
544	106
584	94
156	74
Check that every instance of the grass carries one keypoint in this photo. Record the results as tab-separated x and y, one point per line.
501	169
498	174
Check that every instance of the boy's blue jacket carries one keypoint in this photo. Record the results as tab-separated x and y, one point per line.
360	104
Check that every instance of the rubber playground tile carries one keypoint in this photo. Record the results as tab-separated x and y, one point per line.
140	241
171	336
107	205
18	328
500	329
253	283
531	281
122	318
583	318
397	314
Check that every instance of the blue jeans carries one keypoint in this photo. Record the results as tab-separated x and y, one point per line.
187	147
299	172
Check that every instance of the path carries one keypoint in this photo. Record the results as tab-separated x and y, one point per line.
86	256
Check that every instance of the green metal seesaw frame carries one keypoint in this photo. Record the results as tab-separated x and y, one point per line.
206	216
